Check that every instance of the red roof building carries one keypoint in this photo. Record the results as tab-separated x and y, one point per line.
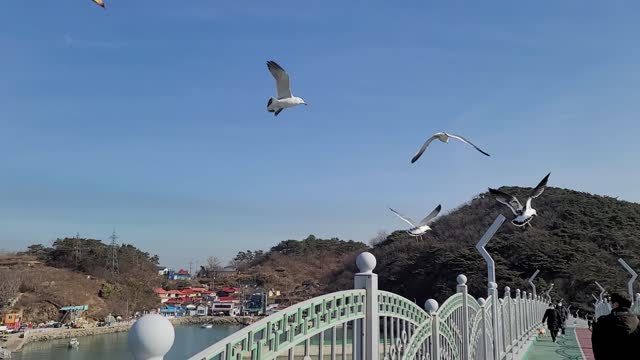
226	299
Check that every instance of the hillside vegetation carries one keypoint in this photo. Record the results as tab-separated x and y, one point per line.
300	269
78	272
576	240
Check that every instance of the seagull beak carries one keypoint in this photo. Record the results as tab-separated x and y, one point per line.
305	104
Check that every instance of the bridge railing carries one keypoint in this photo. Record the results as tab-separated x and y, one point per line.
604	307
366	323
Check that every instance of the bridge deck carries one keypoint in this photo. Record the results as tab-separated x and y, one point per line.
584	339
566	347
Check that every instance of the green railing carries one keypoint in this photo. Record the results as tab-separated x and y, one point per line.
366	323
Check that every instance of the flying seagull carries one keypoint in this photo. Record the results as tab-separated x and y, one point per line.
285	98
444	137
417	230
526	213
99	3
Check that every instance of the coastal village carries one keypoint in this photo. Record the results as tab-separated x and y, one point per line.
80	287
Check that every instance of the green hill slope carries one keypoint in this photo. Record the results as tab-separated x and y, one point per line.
575	240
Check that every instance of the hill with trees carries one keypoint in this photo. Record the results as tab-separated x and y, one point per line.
75	271
576	240
299	269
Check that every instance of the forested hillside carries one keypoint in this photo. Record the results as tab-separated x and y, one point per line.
576	240
76	271
299	268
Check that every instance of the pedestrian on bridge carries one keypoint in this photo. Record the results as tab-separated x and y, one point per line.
563	314
615	336
552	317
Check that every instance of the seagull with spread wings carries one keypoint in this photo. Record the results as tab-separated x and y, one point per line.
523	214
285	98
444	137
99	3
417	230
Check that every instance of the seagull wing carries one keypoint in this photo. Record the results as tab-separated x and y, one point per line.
99	2
429	219
404	218
423	148
540	188
467	141
507	199
282	79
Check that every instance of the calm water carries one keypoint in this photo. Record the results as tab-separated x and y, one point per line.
189	340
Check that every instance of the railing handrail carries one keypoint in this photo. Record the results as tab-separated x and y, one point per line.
220	345
463	327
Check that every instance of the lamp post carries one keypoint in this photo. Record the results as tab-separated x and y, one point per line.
546	293
533	287
480	246
491	277
634	276
602	291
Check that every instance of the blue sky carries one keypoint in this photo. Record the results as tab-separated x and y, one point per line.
150	116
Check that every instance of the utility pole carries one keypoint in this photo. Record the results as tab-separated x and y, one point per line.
114	252
76	249
190	263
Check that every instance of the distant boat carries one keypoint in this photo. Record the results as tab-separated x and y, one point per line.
206	326
74	343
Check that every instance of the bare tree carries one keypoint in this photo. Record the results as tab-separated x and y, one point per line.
212	268
10	282
382	236
213	264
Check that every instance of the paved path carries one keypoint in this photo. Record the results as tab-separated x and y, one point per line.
15	343
584	340
565	348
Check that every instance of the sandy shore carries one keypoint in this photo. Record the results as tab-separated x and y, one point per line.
15	343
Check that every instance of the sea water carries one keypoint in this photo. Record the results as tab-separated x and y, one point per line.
189	341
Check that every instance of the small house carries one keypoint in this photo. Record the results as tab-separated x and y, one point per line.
191	310
228	291
162	270
162	294
12	321
182	274
202	310
172	311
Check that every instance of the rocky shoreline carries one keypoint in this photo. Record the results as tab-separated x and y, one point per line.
55	334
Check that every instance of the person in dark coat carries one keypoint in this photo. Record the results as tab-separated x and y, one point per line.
552	317
615	335
563	314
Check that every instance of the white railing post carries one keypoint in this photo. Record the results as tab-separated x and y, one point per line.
504	339
523	294
151	337
518	319
493	292
369	329
483	323
529	315
506	321
431	306
462	288
634	276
